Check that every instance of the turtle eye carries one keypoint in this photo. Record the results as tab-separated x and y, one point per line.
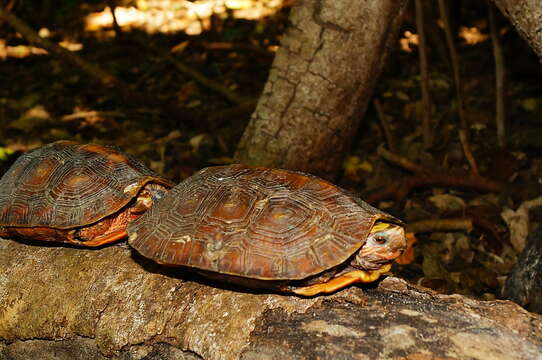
380	239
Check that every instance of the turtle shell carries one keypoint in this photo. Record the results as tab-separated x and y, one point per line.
66	185
255	222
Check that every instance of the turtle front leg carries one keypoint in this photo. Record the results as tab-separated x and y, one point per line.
108	238
344	280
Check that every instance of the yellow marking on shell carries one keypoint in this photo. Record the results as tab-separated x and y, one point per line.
129	189
383	226
132	237
356	276
229	204
280	215
260	204
183	239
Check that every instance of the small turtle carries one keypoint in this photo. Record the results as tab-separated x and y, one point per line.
269	228
79	194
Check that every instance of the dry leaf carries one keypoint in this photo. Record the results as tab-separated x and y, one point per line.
448	203
409	254
518	222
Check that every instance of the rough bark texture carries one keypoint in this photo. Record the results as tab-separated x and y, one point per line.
526	16
524	284
320	83
68	303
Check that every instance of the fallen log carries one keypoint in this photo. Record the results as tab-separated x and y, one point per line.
74	303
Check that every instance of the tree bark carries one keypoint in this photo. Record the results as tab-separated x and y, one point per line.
526	16
72	303
320	83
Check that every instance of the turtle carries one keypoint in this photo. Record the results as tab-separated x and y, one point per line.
266	228
82	194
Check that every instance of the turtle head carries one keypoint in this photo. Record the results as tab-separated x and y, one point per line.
385	242
148	195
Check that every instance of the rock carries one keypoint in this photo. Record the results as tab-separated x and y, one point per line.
72	303
524	284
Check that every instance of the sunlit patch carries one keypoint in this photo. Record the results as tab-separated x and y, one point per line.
71	46
472	35
23	51
19	51
167	16
408	40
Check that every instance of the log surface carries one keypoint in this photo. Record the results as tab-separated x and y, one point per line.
71	303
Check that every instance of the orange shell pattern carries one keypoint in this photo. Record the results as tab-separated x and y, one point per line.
66	185
254	222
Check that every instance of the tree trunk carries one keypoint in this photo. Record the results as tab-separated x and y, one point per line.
71	303
320	83
526	16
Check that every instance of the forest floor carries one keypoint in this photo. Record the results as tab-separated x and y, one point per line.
44	98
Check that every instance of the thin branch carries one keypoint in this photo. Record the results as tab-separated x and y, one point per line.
98	73
464	126
95	71
234	113
116	26
385	125
402	188
92	113
10	5
424	71
500	112
205	81
467	150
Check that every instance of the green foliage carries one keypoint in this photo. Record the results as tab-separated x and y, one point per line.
5	153
232	34
531	103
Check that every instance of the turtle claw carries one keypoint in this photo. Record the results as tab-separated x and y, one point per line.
356	276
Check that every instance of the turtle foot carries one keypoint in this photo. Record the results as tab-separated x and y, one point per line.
356	276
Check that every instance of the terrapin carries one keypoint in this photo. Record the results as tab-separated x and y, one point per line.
78	194
269	228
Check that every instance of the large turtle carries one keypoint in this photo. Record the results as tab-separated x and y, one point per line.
79	194
269	228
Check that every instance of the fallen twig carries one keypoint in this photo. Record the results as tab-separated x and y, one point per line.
433	225
98	73
399	160
205	81
95	71
92	113
236	112
401	189
229	46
